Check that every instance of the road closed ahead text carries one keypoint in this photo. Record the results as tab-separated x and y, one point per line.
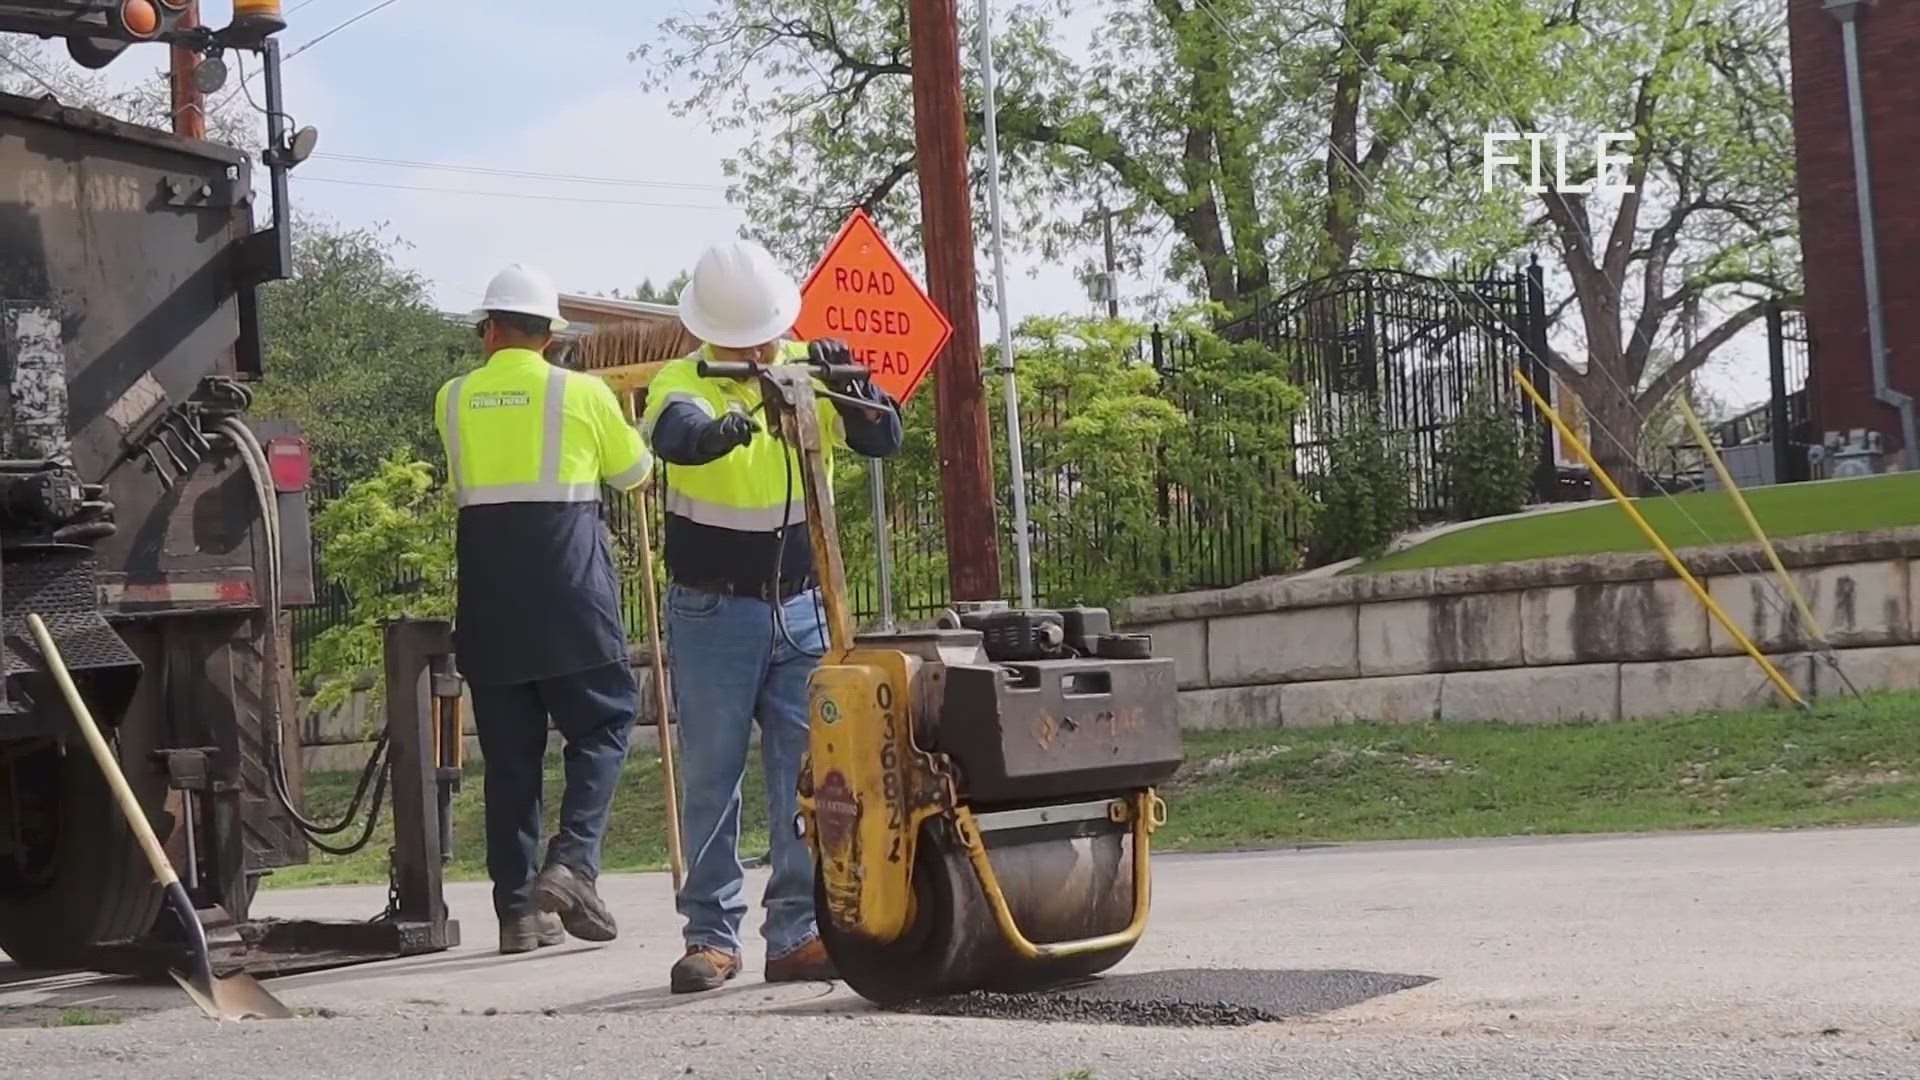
869	309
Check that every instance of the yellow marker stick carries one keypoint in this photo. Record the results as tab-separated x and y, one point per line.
1773	673
1753	525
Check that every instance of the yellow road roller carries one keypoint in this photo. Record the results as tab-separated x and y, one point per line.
979	797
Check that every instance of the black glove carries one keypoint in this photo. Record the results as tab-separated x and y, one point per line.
832	352
829	351
724	433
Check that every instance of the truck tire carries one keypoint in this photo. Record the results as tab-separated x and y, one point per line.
102	889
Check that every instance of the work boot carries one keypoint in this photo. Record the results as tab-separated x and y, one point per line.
572	897
530	932
808	963
704	968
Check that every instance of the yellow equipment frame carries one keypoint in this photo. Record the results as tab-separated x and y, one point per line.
1147	811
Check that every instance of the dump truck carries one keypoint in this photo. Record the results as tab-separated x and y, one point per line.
157	527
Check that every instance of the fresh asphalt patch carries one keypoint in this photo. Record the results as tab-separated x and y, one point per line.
1185	997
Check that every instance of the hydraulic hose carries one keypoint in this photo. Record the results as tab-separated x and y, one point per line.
254	456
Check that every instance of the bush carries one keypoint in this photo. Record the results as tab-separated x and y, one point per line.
1487	461
1365	494
394	526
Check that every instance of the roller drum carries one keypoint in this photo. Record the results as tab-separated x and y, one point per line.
1058	888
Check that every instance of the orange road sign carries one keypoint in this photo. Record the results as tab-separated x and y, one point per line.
863	294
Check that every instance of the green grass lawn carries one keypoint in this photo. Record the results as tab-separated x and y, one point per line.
1848	761
1692	520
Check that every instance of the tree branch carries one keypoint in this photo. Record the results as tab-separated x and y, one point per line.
1627	224
1665	383
878	193
1563	368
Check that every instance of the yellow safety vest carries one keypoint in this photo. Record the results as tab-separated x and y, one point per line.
754	488
520	430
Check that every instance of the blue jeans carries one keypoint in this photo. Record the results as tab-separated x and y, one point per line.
594	711
731	667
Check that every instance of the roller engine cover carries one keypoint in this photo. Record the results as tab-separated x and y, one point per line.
1060	729
1021	635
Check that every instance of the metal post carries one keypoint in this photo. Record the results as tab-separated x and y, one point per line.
883	549
1106	229
409	646
1015	456
1546	470
966	451
1784	471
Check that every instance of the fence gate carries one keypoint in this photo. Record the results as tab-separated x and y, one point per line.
1412	351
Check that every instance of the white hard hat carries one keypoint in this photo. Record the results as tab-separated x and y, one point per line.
523	290
738	297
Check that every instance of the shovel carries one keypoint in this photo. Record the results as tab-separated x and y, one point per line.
234	997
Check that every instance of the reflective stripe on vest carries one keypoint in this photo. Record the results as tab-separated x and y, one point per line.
653	417
738	518
549	488
756	488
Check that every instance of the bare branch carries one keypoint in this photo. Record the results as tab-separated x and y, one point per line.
1664	384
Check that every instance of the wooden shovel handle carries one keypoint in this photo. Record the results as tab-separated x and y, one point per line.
103	755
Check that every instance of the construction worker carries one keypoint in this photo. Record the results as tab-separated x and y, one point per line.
744	622
539	633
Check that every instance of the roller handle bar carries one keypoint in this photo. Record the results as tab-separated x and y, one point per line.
747	369
828	373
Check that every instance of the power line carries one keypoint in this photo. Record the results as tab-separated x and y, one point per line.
536	196
308	44
315	41
480	170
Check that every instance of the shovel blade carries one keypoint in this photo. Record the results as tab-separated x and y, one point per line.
238	996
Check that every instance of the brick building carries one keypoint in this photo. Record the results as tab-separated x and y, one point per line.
1841	379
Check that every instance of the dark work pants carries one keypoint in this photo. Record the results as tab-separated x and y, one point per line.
594	711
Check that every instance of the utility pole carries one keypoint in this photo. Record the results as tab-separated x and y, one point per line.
189	104
946	224
1113	279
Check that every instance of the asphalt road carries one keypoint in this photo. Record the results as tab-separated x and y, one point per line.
1674	957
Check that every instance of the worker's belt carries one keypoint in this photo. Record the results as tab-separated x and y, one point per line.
757	590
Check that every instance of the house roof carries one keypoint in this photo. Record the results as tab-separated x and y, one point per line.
576	307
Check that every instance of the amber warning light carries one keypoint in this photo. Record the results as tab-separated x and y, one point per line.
139	18
290	463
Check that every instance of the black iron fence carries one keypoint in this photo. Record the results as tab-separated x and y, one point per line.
1788	409
1408	350
1412	352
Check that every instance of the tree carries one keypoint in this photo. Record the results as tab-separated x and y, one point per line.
1209	121
33	69
355	351
1702	86
648	293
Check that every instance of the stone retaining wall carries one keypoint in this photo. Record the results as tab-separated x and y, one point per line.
1600	637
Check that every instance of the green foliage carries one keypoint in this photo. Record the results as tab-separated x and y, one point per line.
396	525
1207	125
1094	421
355	352
1365	494
1132	475
1487	460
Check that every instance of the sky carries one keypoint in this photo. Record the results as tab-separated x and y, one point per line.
423	107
